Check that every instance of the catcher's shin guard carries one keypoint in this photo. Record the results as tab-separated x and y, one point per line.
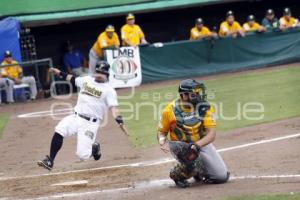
96	151
180	173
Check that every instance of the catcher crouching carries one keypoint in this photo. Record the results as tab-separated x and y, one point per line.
191	123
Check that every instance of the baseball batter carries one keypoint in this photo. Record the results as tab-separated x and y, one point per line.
96	96
190	119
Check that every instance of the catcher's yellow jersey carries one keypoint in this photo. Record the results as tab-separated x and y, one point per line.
288	23
195	33
133	34
104	41
225	27
183	132
248	28
11	71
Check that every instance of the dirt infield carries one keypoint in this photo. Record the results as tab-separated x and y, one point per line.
25	140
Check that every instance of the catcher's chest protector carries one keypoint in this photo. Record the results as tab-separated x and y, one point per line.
187	123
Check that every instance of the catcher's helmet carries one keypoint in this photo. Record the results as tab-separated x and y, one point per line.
192	86
102	67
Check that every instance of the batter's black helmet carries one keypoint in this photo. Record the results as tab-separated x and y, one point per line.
102	67
192	86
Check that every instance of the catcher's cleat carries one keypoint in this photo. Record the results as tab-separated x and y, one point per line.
46	163
96	151
182	183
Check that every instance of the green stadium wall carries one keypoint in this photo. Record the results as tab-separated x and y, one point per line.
199	58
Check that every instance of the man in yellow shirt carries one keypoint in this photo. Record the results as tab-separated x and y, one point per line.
251	25
132	34
230	27
14	73
287	21
7	85
191	119
199	31
107	39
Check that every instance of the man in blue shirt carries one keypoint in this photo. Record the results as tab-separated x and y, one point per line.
270	22
74	61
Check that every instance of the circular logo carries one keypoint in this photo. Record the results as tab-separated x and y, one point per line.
124	68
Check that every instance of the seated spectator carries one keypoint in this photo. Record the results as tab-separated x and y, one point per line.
74	61
230	27
8	86
270	21
107	39
199	31
15	72
251	25
287	21
132	34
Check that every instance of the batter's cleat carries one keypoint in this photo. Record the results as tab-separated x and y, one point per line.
182	184
96	151
46	163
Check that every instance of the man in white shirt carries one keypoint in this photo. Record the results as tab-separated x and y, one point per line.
95	98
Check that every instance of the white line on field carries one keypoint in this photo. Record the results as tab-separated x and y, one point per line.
153	162
153	184
55	112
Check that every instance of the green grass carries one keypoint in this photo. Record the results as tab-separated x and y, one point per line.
3	121
267	197
278	90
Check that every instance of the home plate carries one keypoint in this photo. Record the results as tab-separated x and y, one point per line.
72	183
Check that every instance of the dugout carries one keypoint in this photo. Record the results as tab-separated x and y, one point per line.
52	26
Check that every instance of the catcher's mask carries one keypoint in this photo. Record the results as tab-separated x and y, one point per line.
194	89
183	152
102	67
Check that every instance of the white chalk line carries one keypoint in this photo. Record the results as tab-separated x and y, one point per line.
152	162
154	184
63	111
71	183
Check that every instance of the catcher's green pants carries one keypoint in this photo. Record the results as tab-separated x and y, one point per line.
209	164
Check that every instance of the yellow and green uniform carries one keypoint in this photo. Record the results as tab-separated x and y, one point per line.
104	41
183	123
195	32
288	22
132	33
226	27
13	71
254	27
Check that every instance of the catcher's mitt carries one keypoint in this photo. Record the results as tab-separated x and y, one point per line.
183	152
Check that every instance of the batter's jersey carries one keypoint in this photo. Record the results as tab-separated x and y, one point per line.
133	34
94	99
168	123
104	41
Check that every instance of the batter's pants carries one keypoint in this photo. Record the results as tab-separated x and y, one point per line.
85	130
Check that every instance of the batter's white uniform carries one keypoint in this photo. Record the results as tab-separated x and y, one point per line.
94	100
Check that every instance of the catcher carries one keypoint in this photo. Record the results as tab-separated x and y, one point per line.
191	124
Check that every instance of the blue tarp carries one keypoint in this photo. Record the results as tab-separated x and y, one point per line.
9	38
